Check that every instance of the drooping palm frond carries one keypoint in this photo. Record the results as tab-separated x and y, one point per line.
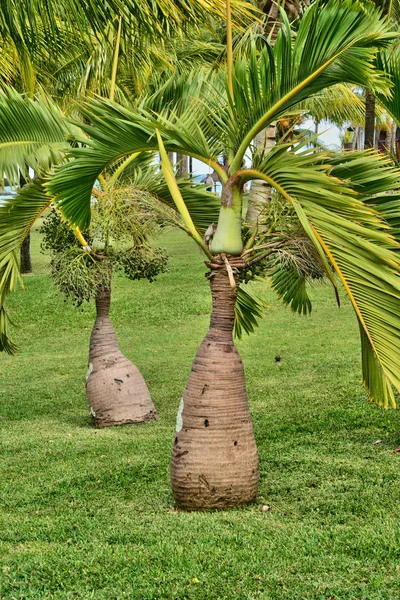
389	206
8	65
291	287
203	206
351	237
17	215
117	132
291	268
249	308
334	44
392	7
21	19
338	104
33	133
265	86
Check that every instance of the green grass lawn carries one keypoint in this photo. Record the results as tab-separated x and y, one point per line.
88	513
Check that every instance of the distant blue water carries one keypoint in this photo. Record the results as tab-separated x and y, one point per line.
9	192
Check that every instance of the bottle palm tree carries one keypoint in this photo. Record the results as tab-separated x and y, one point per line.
115	389
214	462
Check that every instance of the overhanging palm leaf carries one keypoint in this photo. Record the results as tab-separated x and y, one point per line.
202	206
292	267
333	45
264	87
351	236
19	213
338	104
291	287
120	132
389	206
22	20
33	133
249	308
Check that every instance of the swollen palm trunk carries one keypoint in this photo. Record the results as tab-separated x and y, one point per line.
116	391
214	459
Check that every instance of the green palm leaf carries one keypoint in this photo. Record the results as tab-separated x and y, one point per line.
33	133
203	206
389	206
202	124
389	61
352	237
334	44
338	104
22	19
249	308
291	287
117	132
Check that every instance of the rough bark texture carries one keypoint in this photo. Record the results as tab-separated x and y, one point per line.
25	264
214	460
182	165
270	8
25	256
292	7
115	389
260	191
369	127
390	144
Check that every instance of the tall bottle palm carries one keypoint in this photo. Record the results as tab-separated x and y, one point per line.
214	462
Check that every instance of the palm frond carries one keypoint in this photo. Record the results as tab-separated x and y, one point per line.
291	287
117	132
33	133
389	206
249	309
21	19
291	267
334	44
353	238
393	9
338	104
203	206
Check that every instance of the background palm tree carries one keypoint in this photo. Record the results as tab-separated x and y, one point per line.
391	8
115	389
